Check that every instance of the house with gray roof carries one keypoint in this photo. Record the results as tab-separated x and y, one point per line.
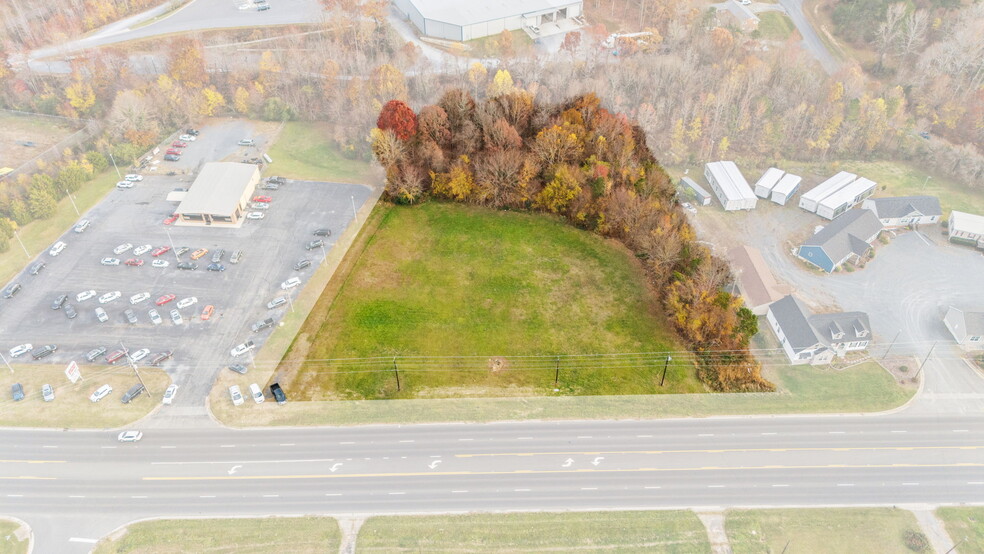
967	328
905	211
848	237
808	338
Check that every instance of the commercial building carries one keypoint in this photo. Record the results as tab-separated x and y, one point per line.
756	285
846	198
768	180
848	237
967	328
816	338
730	186
460	21
219	195
966	228
703	197
905	211
786	188
811	198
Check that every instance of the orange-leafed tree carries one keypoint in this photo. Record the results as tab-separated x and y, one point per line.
396	116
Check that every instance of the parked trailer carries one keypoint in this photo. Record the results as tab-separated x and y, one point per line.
786	188
703	197
811	199
846	198
730	186
768	180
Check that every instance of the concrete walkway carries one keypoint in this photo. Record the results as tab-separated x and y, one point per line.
714	523
934	530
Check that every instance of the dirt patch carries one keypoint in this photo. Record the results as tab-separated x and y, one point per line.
902	368
497	364
19	131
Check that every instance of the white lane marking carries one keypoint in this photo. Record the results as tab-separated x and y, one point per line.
960	431
584	436
287	444
333	494
411	440
207	496
845	484
433	465
651	488
524	438
351	442
900	431
589	488
15	495
227	446
295	461
138	497
108	447
432	456
80	539
715	486
169	447
457	492
835	432
910	484
770	433
271	496
521	490
466	439
644	436
706	435
76	496
975	482
780	485
396	493
49	446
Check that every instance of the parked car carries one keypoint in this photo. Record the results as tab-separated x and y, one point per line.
170	219
247	142
124	185
158	359
171	158
91	355
139	297
81	226
239	368
314	244
101	315
181	250
134	262
56	248
160	263
256	393
262	199
59	302
276	302
290	283
160	251
236	257
116	356
199	253
179	144
259	206
188	266
134	392
36	268
169	395
130	316
17	391
70	312
141	250
173	152
100	393
242	348
47	393
122	248
262	7
215	267
218	255
185	302
155	317
85	295
109	297
236	395
262	324
187	138
129	436
302	264
207	312
140	354
278	393
176	317
277	180
44	351
271	186
322	233
255	215
20	350
192	132
133	177
110	261
12	290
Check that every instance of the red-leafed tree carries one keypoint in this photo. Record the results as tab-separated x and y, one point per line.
399	118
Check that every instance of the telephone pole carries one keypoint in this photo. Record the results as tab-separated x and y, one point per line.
926	359
667	364
397	372
887	350
133	366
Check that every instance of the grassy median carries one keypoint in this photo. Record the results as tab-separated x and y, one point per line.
8	542
965	526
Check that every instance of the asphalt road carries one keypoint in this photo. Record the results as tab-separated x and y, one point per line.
811	41
81	485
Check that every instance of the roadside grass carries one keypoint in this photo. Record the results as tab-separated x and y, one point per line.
966	524
8	542
244	536
305	151
44	132
37	236
818	531
71	407
489	46
775	26
651	531
442	280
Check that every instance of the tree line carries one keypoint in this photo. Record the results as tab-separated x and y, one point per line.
590	166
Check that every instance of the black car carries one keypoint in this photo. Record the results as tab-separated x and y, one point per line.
36	268
314	244
160	358
171	158
192	132
91	355
302	264
238	368
263	7
277	180
70	312
188	266
271	186
59	302
12	290
44	351
215	267
217	255
278	393
134	392
322	233
130	316
262	324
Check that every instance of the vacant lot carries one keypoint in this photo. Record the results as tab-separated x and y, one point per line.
775	26
306	151
671	532
478	303
964	524
834	531
243	536
8	542
15	130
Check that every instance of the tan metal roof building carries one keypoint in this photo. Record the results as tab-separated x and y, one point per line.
757	285
219	194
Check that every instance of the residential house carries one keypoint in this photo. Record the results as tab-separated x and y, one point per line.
848	237
966	228
905	211
967	328
816	338
756	284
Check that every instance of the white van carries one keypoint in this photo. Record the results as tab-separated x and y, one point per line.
256	393
57	248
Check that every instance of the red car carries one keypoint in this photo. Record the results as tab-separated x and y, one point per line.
134	262
207	312
262	199
160	251
179	144
174	152
165	299
170	220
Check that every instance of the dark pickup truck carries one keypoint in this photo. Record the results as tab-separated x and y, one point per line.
262	324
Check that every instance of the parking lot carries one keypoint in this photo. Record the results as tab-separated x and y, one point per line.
271	246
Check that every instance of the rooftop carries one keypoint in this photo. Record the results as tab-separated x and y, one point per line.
829	186
848	194
902	206
791	316
787	183
758	286
970	223
218	188
731	181
847	233
457	12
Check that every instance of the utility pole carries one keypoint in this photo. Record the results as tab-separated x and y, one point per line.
355	214
667	364
324	255
6	363
397	372
954	547
892	344
26	253
557	372
290	301
72	200
133	366
925	360
114	166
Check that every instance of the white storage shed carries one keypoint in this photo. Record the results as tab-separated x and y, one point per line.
460	21
846	198
730	186
786	188
768	180
703	197
811	198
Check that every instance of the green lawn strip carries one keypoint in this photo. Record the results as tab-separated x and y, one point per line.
444	280
305	151
818	531
964	524
37	236
775	26
8	542
71	407
653	531
243	536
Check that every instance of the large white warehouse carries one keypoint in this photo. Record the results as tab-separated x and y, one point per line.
460	20
730	186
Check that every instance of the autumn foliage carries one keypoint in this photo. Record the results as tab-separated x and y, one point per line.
579	161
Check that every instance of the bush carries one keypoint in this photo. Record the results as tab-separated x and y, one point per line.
915	541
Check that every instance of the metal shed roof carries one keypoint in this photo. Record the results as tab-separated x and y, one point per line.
731	181
218	188
829	186
848	193
462	13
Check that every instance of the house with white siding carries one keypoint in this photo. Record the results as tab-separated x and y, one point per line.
967	328
808	338
905	211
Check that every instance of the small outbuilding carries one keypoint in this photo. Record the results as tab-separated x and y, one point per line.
848	237
459	21
768	181
905	211
786	188
219	195
703	197
811	198
730	186
966	228
967	328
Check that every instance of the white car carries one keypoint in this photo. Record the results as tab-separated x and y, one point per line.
56	248
124	185
169	395
689	207
100	393
243	348
122	248
110	261
130	436
133	177
85	295
236	395
256	393
160	263
176	317
140	354
245	6
18	350
255	215
155	317
141	250
109	297
101	315
185	302
187	138
290	283
139	297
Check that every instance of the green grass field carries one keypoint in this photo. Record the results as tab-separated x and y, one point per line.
447	280
902	179
243	536
665	532
8	542
820	531
964	523
775	26
305	151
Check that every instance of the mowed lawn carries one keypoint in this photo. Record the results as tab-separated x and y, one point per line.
965	524
8	542
500	290
304	150
665	532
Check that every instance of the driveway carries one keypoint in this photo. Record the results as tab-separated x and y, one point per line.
811	41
